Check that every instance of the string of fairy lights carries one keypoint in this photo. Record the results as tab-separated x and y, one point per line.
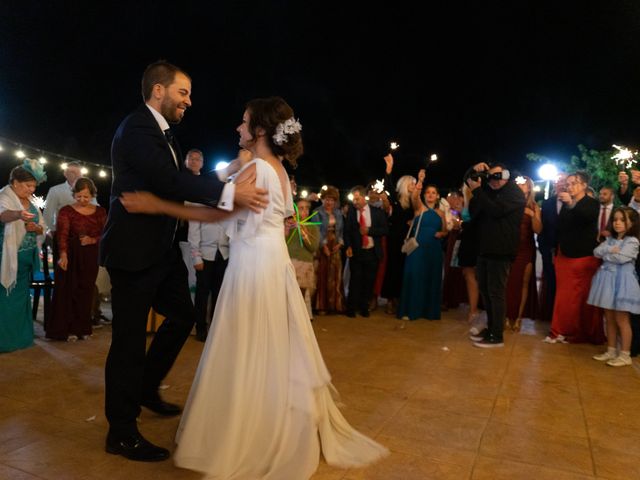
22	151
623	157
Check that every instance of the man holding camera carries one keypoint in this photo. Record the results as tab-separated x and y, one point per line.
498	205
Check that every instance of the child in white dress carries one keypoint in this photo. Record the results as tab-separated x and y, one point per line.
615	285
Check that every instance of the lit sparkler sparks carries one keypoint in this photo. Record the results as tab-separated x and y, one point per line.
378	187
624	157
39	202
394	146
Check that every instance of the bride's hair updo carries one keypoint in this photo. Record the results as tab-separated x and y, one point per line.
268	113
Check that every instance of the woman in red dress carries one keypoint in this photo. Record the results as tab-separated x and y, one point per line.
521	285
79	227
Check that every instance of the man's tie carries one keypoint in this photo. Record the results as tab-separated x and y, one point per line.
603	218
168	134
363	224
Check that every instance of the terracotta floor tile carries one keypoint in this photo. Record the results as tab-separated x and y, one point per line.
500	469
539	447
445	409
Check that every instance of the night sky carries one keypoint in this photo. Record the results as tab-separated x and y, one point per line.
470	83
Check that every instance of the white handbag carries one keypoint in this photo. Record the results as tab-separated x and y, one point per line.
410	243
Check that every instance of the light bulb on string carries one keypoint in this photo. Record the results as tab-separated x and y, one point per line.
63	165
102	174
84	170
20	154
42	160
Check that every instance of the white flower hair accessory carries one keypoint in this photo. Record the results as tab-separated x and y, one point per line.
286	128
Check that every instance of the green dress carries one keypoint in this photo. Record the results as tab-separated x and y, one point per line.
16	324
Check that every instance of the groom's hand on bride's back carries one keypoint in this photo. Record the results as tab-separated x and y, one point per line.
247	195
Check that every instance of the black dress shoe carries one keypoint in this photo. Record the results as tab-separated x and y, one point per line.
161	407
350	314
201	336
136	447
364	313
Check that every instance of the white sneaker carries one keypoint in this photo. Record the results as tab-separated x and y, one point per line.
549	339
561	339
619	361
603	357
72	338
474	331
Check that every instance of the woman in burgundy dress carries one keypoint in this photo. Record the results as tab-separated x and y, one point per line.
78	232
522	295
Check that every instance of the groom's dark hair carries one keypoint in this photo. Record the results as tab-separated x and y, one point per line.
161	72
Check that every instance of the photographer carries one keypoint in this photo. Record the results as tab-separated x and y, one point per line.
497	207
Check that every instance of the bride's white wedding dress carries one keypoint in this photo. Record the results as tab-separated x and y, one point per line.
260	406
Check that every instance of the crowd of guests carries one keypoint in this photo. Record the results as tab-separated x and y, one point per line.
72	224
476	246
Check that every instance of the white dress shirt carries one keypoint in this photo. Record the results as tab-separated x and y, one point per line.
206	239
367	219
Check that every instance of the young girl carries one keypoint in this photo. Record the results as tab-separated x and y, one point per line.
615	286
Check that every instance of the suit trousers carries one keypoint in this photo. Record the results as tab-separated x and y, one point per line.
492	274
363	265
134	372
208	281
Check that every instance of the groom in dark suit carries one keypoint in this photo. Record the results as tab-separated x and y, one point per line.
143	261
548	244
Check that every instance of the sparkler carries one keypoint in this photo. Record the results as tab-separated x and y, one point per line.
624	157
39	202
394	146
300	223
378	187
432	159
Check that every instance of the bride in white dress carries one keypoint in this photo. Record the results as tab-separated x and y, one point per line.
261	405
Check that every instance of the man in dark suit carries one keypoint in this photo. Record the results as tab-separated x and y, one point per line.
364	228
548	243
143	261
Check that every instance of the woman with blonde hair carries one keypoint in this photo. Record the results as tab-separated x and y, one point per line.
401	215
521	284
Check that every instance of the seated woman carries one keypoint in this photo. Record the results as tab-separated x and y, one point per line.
20	224
79	227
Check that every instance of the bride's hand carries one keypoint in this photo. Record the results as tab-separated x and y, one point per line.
141	202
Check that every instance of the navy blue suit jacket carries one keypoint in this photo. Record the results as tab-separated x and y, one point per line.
378	228
141	159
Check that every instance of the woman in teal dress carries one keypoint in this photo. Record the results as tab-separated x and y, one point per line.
421	295
20	224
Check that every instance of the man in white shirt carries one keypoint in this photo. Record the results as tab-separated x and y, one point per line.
606	196
61	195
210	254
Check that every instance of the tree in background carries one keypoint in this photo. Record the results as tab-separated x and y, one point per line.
598	163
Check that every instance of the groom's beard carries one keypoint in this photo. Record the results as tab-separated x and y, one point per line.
169	110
